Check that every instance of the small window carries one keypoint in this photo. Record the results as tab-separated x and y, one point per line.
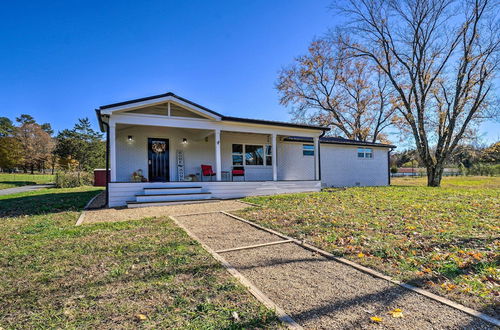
308	150
365	153
269	155
237	154
254	155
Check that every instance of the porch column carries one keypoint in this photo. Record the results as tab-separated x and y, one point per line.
316	158
273	157
218	175
112	151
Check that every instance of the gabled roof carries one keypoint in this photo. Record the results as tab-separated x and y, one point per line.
159	96
338	140
222	117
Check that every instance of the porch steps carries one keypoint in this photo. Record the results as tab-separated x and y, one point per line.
168	195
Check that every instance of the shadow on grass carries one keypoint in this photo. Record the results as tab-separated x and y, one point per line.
43	203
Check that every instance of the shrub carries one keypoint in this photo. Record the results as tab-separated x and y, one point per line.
67	179
394	169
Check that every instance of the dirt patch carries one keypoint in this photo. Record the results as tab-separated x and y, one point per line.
114	215
220	231
98	202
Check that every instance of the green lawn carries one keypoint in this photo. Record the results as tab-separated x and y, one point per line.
444	239
17	180
56	275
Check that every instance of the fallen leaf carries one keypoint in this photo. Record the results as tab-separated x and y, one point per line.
141	317
376	319
396	313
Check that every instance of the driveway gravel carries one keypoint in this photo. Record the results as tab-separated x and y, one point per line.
317	292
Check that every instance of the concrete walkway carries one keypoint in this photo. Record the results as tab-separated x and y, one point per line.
21	189
317	292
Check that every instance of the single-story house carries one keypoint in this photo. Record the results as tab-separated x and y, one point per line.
167	149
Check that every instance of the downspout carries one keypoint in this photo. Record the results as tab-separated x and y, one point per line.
107	162
389	166
319	153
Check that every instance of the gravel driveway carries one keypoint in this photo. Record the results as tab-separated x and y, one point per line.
317	292
21	189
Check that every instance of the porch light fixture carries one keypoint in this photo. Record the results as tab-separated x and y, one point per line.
130	137
184	141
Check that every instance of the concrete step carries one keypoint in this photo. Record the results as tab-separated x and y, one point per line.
172	190
132	205
172	197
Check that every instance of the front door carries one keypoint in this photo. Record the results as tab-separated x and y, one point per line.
158	160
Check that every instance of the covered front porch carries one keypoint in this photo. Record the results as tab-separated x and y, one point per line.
165	149
171	154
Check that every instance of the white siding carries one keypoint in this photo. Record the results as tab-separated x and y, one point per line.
341	167
292	164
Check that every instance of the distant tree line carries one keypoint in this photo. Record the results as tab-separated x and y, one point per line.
469	159
30	146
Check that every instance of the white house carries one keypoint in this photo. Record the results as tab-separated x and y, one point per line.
166	149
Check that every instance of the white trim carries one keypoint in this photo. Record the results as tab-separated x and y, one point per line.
112	151
273	157
316	157
218	161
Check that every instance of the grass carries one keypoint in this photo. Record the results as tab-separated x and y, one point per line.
136	274
444	239
17	180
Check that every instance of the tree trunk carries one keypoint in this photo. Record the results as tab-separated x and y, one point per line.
434	175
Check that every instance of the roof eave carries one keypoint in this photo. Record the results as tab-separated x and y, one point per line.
271	123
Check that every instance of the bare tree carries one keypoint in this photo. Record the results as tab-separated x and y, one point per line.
330	87
441	57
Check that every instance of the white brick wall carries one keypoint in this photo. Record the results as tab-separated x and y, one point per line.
292	164
341	167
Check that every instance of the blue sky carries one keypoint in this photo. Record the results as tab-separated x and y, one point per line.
59	60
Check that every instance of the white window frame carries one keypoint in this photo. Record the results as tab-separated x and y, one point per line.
364	151
264	156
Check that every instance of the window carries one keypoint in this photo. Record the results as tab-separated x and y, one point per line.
365	153
254	155
308	150
237	154
269	155
258	155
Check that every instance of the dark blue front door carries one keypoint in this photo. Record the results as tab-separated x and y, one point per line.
158	159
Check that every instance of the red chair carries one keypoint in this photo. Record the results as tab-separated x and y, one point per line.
238	171
206	170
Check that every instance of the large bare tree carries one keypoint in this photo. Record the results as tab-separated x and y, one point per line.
330	87
441	57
